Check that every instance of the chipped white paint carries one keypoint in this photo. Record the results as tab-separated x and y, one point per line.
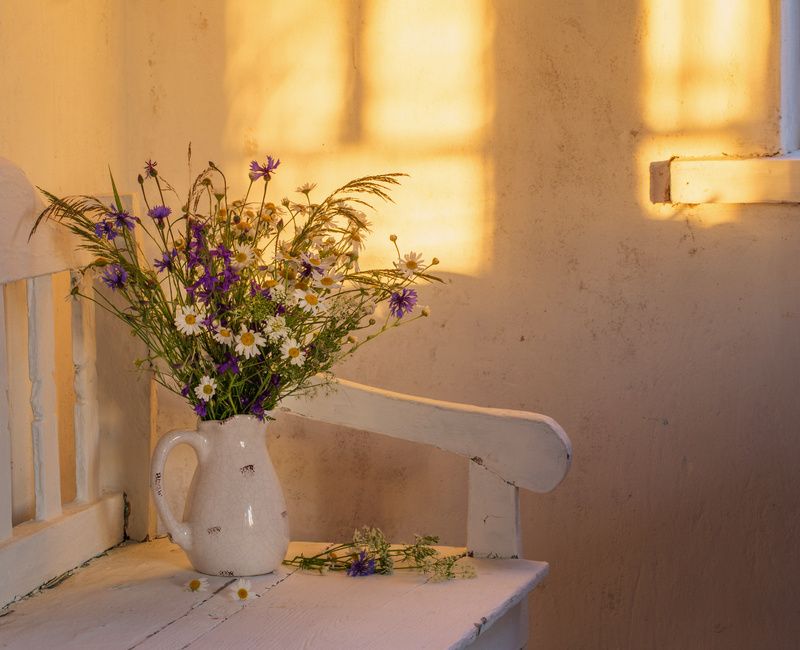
41	368
134	598
5	430
526	449
53	539
48	252
493	527
23	501
87	428
40	551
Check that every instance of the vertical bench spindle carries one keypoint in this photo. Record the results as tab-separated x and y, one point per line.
5	429
87	428
41	367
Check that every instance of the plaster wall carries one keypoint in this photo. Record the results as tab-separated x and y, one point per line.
663	339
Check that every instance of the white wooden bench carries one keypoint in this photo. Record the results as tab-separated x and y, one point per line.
133	596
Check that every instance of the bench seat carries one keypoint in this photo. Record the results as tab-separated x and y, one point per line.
133	597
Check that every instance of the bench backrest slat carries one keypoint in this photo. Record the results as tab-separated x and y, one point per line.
5	430
44	401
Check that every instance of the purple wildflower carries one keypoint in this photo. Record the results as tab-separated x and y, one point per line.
115	277
222	252
402	302
121	219
167	261
185	390
200	409
257	290
105	229
150	169
263	171
159	213
361	566
257	407
229	365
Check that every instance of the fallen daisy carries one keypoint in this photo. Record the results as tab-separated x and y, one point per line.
197	584
241	590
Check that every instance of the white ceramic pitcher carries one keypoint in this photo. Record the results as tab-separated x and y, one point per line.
235	521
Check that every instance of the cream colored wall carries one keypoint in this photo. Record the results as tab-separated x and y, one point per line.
662	338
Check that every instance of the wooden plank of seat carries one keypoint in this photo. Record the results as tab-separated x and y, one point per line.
134	598
527	450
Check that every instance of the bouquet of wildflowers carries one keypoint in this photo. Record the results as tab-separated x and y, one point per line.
246	301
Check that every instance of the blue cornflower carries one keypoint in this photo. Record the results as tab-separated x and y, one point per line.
121	219
150	169
105	229
263	171
361	566
167	261
159	213
200	409
402	302
115	277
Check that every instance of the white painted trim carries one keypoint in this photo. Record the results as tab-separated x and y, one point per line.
790	75
44	403
774	179
526	449
87	427
5	429
40	551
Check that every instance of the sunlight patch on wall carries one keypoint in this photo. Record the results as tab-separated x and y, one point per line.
358	87
285	74
425	81
707	88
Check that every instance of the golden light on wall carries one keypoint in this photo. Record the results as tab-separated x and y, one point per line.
706	86
344	89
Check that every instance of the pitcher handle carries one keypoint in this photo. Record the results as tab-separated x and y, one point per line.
180	533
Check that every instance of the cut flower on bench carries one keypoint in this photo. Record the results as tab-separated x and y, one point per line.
370	553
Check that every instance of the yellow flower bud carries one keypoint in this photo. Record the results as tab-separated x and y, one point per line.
392	237
426	311
435	260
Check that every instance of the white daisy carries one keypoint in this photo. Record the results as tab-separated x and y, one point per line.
197	584
330	280
359	220
316	260
356	240
241	590
243	255
188	320
305	188
309	300
248	343
223	334
206	388
291	350
410	264
276	328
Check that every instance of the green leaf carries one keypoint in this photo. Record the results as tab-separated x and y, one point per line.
114	187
